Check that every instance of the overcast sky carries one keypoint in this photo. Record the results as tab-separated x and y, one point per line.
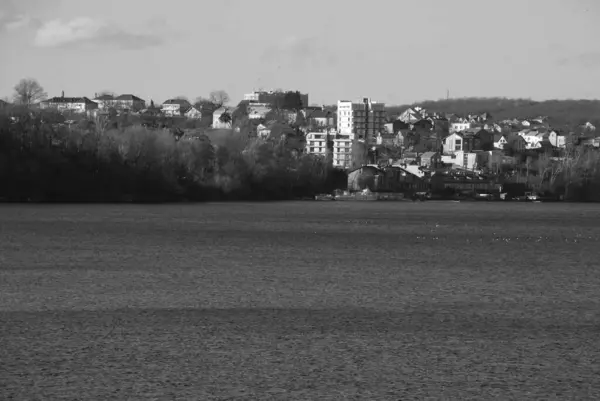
394	51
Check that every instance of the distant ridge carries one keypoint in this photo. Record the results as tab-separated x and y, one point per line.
567	112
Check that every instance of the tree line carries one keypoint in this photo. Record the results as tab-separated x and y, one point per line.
42	160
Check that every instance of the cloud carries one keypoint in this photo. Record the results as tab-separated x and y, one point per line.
300	51
85	31
11	21
586	60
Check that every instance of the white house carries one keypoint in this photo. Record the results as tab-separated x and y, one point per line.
453	143
175	107
216	121
72	104
193	113
104	101
499	141
460	125
461	159
258	110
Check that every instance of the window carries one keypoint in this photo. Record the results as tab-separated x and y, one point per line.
312	149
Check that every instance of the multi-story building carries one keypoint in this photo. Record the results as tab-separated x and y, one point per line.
365	119
272	97
341	147
73	104
342	151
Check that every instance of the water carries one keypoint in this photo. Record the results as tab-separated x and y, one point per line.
301	300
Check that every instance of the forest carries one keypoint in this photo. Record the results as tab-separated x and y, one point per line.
46	161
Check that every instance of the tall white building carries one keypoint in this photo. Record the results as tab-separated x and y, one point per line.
341	147
364	119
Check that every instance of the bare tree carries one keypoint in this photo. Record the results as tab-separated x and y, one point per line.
218	98
29	91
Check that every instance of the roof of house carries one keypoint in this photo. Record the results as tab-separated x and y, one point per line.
129	97
181	102
105	97
318	114
428	155
498	136
190	108
61	99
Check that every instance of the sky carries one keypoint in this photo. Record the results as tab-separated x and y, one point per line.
393	51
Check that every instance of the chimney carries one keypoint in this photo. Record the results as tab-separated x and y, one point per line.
63	94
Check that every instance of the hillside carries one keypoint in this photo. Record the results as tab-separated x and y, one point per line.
560	112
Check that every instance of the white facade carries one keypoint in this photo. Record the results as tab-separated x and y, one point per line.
252	97
500	143
364	118
342	151
453	143
316	144
461	159
459	126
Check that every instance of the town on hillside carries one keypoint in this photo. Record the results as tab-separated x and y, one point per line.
414	152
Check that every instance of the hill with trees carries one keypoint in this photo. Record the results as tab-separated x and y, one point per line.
560	113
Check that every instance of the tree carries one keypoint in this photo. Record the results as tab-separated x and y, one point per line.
218	98
293	101
225	117
107	93
29	91
360	154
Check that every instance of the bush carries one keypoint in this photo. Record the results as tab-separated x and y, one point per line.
52	162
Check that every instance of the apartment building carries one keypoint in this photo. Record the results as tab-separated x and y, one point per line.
365	119
341	147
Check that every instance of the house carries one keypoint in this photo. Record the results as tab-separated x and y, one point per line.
398	125
477	139
493	127
175	107
217	121
412	115
499	141
429	159
389	139
515	142
129	102
409	158
424	124
466	160
460	125
258	110
192	112
72	104
453	143
494	160
534	139
319	118
262	131
104	101
591	142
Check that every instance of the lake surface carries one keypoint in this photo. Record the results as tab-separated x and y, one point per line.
300	301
